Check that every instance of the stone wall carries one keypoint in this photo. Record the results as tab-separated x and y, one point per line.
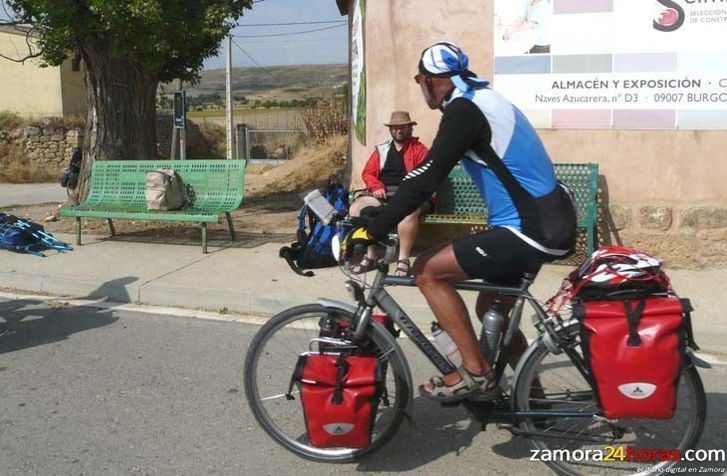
44	144
48	145
689	236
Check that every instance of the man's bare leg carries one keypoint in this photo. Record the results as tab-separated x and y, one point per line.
355	210
407	230
432	271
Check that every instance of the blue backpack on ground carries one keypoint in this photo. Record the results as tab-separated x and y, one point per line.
313	248
27	237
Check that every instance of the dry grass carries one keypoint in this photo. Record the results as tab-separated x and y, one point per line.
10	121
13	169
216	136
67	122
326	119
311	168
258	169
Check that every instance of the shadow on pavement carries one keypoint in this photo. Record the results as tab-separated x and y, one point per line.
114	290
26	323
435	432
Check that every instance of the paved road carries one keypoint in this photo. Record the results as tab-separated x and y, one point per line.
89	391
31	194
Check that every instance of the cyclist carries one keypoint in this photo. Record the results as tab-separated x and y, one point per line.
531	215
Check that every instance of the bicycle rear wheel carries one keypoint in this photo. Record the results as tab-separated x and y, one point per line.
269	366
567	440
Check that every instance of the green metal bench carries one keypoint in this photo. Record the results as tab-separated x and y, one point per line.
459	201
118	191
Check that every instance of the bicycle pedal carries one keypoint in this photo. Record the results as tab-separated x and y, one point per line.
486	398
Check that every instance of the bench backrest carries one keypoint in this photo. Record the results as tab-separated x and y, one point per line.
461	197
216	185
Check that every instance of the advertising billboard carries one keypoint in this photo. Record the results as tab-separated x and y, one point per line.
614	64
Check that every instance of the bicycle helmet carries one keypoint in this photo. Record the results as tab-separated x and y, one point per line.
620	270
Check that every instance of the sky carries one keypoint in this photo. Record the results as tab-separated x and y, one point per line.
323	47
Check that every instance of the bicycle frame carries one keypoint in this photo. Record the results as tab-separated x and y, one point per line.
378	296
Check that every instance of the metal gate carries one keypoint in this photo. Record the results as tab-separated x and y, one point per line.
270	137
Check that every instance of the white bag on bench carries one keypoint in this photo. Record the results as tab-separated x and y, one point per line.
165	190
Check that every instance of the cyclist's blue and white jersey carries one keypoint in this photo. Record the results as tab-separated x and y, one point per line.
503	154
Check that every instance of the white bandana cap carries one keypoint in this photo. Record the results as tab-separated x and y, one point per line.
447	60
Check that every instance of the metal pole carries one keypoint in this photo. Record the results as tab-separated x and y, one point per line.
242	141
183	133
228	76
175	137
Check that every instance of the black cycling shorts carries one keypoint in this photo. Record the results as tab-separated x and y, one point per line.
498	256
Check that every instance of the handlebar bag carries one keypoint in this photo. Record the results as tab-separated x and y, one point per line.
340	396
634	350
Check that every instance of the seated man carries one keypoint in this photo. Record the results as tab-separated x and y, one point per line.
384	171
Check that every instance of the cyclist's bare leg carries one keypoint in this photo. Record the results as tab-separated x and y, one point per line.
519	342
433	270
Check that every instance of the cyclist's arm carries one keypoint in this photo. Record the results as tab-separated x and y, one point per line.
462	125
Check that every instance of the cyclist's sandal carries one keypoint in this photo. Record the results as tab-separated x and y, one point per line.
403	267
364	266
470	387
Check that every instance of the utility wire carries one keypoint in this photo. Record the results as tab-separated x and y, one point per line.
258	64
296	23
273	41
289	34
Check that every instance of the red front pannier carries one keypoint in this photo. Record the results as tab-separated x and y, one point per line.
340	396
634	349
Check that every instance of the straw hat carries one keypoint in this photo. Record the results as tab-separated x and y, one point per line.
400	118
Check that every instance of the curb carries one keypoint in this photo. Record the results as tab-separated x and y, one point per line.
712	339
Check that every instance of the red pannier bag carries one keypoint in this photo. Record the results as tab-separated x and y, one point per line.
635	350
340	396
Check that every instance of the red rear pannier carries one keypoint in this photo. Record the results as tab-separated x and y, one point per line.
340	396
634	349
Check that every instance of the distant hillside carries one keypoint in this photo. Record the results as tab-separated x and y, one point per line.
279	82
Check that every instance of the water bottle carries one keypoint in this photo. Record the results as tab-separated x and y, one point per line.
492	327
320	207
446	345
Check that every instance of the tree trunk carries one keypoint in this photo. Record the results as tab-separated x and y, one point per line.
121	117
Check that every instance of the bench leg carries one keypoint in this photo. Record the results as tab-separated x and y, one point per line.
590	241
229	223
204	238
111	226
78	231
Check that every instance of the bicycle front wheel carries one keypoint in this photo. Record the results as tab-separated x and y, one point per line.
570	444
269	366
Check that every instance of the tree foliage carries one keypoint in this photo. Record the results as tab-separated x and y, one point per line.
168	38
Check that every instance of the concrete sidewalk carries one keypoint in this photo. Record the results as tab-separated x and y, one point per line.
253	280
31	193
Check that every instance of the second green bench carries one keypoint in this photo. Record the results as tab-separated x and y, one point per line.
459	201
